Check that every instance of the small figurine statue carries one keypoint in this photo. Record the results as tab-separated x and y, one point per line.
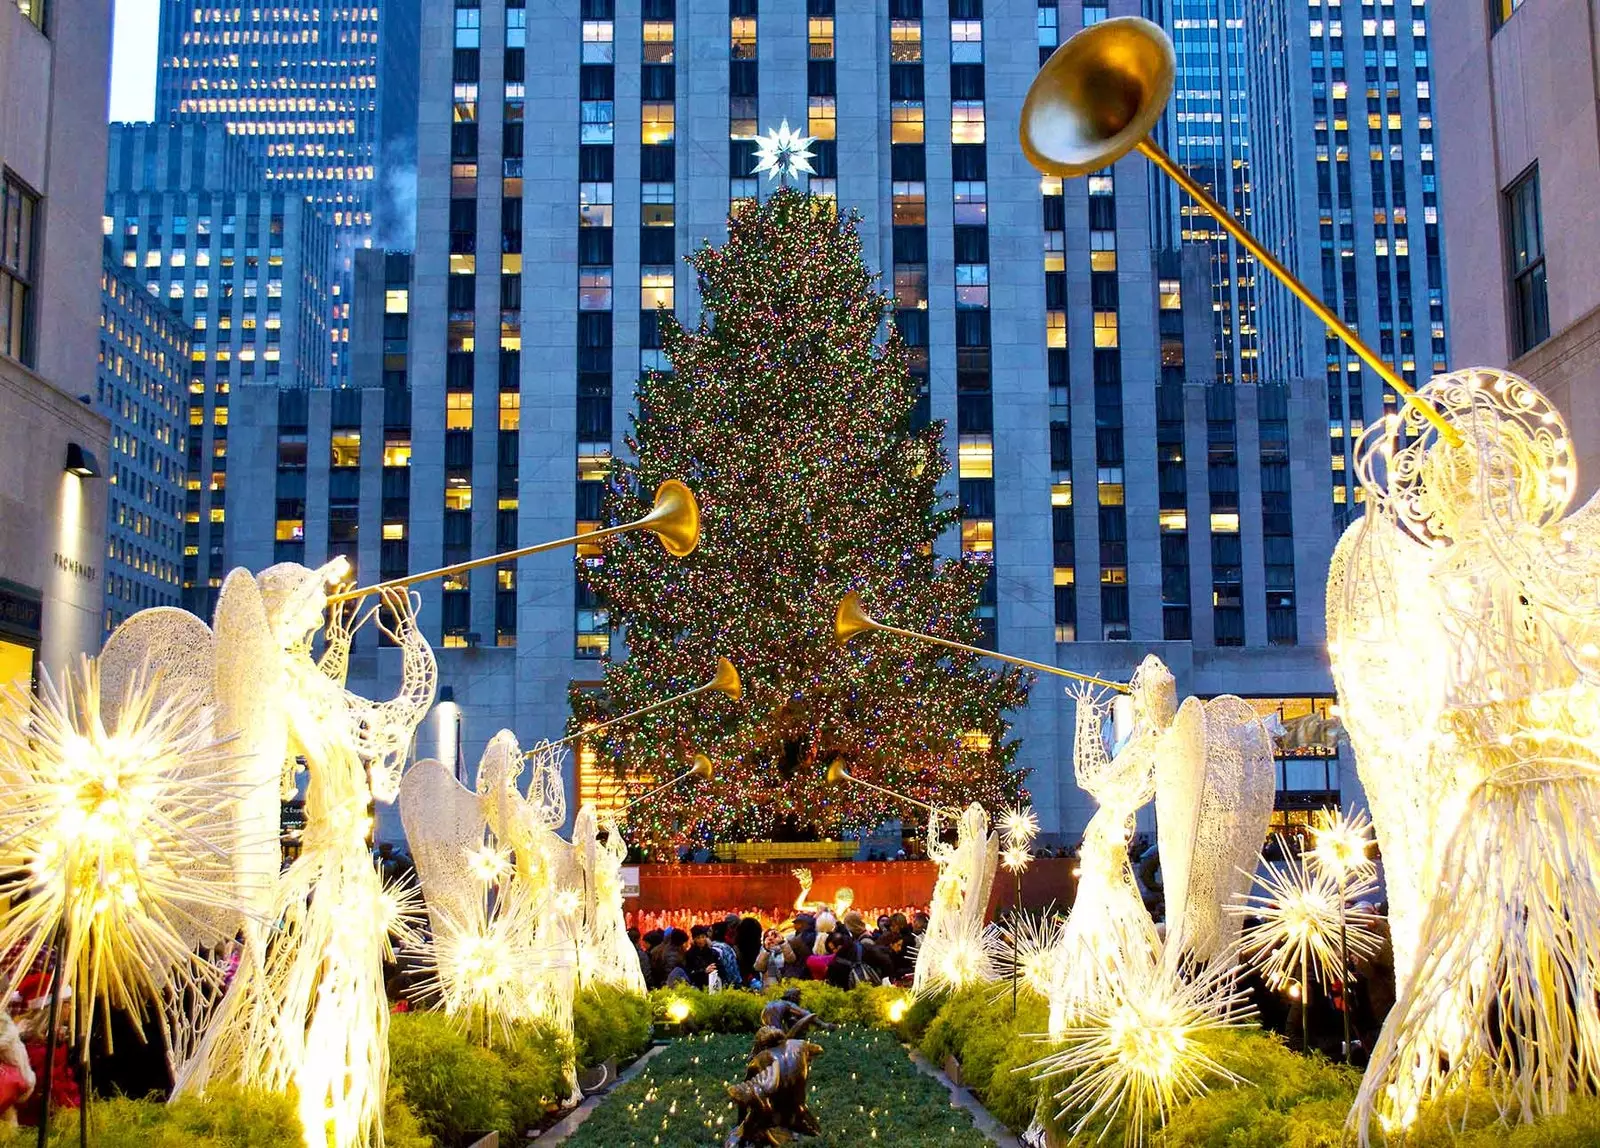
787	1015
772	1096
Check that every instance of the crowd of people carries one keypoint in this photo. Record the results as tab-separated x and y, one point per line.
736	951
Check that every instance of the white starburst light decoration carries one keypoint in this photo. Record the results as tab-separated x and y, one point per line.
1297	920
784	153
1138	1050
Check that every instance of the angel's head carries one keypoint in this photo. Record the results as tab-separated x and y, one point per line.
295	598
1155	693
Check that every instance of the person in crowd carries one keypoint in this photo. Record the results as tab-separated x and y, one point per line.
701	957
777	958
747	937
668	958
846	968
874	960
898	940
727	962
803	936
919	923
821	955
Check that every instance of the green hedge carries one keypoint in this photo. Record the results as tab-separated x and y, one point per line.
224	1118
454	1086
739	1011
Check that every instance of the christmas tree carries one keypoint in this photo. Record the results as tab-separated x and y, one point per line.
788	412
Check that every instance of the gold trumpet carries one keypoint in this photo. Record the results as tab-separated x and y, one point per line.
675	519
1097	99
702	768
724	681
852	618
837	773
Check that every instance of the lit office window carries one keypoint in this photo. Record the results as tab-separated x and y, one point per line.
1525	238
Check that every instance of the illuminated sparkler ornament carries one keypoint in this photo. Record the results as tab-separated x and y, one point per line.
956	949
1342	843
1297	914
783	153
1019	826
1137	1050
1475	716
113	830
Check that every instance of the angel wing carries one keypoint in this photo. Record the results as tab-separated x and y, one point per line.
171	643
983	848
247	681
498	798
1391	675
444	824
1214	793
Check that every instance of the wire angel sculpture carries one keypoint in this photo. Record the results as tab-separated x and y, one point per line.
610	957
956	949
493	962
1108	921
312	1014
1472	706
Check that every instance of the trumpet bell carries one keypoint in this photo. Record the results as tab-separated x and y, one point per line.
703	768
675	519
727	680
851	618
1098	97
837	773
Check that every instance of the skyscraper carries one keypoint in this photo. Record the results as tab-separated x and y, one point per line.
54	446
322	97
143	387
1346	191
246	265
1207	130
1129	502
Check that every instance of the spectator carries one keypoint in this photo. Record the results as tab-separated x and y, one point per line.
667	960
701	957
747	943
727	965
820	958
804	937
776	959
876	964
845	969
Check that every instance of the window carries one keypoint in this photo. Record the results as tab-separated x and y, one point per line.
396	450
458	494
658	41
467	27
975	456
598	122
742	38
972	285
510	410
910	203
820	122
1102	250
1499	11
655	287
977	536
17	238
597	37
1055	329
594	204
905	41
594	289
656	124
33	12
972	202
911	286
1105	328
1525	237
466	104
458	410
290	530
345	448
655	204
516	27
966	41
820	32
966	121
905	121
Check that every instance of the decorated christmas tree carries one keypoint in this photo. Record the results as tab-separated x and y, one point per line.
788	410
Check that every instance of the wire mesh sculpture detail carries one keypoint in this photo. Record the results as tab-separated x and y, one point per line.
956	949
1472	706
314	1017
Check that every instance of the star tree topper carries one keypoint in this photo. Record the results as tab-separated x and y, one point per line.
784	152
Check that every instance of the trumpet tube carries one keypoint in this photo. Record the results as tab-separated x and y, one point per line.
675	519
726	681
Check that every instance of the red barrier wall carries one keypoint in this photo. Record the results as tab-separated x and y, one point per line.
876	884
